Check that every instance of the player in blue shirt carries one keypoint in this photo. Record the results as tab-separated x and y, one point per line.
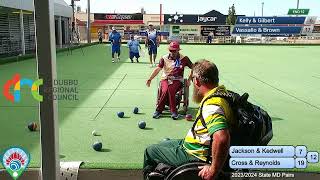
134	48
115	39
152	42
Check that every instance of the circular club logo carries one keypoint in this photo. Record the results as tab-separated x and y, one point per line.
15	160
176	17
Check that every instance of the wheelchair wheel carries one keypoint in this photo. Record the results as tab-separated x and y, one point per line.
186	172
178	99
185	96
158	94
190	172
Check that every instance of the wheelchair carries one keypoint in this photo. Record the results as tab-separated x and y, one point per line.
182	97
189	171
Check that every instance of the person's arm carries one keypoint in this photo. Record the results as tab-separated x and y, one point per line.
156	71
220	148
110	37
190	78
146	40
190	65
158	38
154	74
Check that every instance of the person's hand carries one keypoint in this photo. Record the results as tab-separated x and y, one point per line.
148	82
206	173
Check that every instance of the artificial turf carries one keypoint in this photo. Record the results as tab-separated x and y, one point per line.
284	80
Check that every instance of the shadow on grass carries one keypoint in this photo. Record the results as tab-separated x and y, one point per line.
193	111
141	114
125	117
276	119
105	150
129	62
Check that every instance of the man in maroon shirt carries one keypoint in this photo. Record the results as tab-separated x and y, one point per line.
171	80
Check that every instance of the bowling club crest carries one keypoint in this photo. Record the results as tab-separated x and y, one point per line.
15	160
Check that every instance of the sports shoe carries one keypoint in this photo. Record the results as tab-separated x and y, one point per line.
112	60
156	115
175	116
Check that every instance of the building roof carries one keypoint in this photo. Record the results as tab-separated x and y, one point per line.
62	2
61	8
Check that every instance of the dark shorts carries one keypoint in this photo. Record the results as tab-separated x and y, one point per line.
133	54
152	49
115	49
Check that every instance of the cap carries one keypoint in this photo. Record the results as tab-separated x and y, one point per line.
150	24
174	45
113	28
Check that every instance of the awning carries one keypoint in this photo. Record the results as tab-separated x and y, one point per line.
104	22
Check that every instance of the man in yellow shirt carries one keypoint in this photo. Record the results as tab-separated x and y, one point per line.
209	138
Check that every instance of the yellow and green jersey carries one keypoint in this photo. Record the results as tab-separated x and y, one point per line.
217	115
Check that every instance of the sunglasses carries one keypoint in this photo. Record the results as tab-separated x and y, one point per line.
173	51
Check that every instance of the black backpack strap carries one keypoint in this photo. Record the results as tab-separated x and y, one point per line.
209	152
229	96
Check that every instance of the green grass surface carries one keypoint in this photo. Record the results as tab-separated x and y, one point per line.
284	80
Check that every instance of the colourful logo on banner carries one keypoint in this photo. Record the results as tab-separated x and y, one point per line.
15	160
17	83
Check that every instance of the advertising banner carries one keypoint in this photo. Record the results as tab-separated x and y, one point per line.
211	18
186	30
217	30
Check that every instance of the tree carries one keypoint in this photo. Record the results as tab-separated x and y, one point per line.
231	19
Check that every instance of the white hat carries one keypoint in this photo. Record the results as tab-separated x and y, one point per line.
135	37
150	24
113	28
